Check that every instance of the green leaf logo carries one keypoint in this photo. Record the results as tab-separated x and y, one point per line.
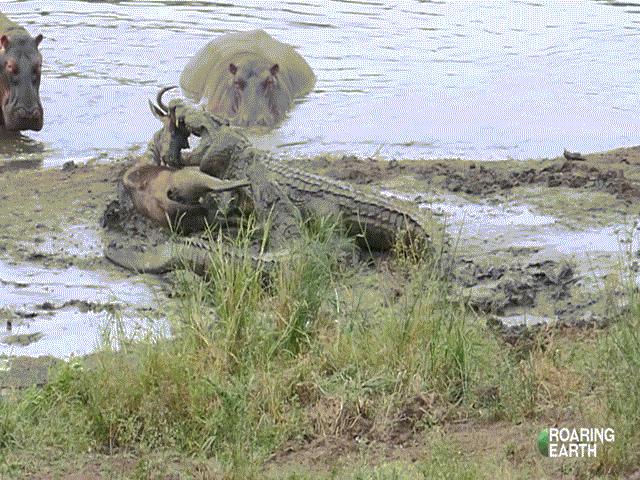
543	442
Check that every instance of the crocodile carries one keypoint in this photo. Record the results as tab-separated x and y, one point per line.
277	192
225	152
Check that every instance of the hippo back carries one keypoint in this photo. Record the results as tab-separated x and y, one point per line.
10	28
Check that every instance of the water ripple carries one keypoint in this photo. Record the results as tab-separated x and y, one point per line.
507	78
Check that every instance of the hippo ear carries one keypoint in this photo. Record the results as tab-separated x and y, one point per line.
38	39
4	42
233	68
274	70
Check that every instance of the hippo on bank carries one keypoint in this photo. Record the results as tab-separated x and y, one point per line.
20	64
248	78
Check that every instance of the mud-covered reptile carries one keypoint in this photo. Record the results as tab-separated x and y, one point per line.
278	191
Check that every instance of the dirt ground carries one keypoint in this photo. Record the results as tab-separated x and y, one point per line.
507	446
533	239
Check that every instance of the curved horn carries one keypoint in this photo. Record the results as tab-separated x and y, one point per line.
162	91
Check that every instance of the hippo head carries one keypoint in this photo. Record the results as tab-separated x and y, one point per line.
20	64
258	96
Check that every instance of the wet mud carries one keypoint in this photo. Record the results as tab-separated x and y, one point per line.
615	173
541	242
550	241
59	297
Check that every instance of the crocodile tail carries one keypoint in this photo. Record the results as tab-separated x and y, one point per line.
158	259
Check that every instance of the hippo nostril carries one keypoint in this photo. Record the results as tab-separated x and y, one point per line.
23	113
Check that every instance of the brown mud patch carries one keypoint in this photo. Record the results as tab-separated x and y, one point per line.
533	240
613	172
499	449
549	184
40	206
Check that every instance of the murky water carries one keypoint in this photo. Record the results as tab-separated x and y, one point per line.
69	310
482	80
595	250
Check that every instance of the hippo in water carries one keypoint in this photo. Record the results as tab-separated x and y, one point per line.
248	78
20	64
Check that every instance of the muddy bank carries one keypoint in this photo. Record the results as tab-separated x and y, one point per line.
59	296
532	241
51	215
613	174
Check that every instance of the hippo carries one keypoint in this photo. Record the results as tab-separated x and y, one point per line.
20	64
248	78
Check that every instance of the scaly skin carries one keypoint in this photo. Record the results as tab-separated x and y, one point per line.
379	221
225	152
278	192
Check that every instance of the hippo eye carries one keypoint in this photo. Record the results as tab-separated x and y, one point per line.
241	84
268	82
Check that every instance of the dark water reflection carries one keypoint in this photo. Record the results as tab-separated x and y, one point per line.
413	79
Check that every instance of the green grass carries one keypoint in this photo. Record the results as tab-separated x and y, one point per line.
620	383
264	358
